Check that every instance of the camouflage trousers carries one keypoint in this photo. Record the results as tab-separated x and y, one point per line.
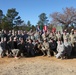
15	52
46	51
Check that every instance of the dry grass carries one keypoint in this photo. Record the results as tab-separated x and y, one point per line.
37	66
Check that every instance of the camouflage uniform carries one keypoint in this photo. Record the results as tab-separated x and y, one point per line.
60	49
65	36
0	51
68	47
75	47
58	36
52	36
73	41
45	48
72	36
44	36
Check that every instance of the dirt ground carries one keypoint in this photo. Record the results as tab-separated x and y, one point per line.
37	66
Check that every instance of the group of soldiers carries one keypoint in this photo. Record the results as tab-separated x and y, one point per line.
23	44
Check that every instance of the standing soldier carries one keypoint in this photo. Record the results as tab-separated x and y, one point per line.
0	35
37	35
32	36
52	36
75	46
58	35
65	35
44	35
72	37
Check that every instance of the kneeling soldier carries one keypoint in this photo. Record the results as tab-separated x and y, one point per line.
45	48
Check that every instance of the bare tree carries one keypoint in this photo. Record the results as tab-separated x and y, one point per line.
68	17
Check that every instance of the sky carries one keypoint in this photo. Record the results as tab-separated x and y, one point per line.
31	9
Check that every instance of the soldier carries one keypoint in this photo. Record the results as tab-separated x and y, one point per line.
52	36
65	35
44	35
45	48
58	35
37	47
37	35
60	49
19	35
15	49
3	46
9	34
74	46
10	46
30	47
0	35
68	48
1	50
40	47
25	35
32	36
22	48
53	46
72	36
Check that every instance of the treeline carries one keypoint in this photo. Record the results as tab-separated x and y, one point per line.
12	20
